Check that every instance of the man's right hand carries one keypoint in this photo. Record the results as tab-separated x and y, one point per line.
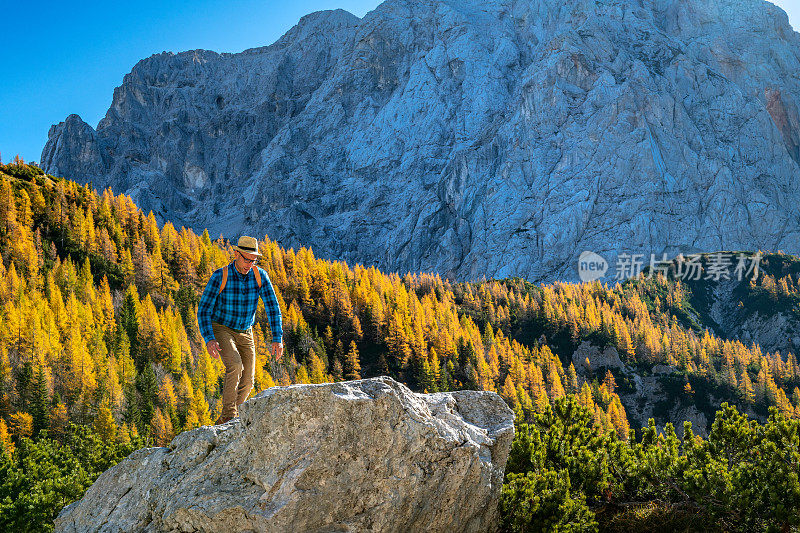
213	348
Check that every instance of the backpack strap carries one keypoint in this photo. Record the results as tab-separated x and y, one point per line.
224	278
258	276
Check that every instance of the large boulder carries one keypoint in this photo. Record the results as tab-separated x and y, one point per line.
366	455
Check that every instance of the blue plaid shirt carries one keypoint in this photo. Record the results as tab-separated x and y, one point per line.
236	305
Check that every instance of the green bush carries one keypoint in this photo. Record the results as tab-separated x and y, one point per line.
43	475
544	502
564	473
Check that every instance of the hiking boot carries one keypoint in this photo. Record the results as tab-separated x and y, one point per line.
223	419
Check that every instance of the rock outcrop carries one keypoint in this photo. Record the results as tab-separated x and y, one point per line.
472	138
367	455
587	357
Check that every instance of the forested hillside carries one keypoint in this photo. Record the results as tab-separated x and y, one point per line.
99	322
99	329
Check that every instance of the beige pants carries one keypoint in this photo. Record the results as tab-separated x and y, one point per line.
239	356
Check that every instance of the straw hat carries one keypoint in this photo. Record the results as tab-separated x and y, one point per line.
247	245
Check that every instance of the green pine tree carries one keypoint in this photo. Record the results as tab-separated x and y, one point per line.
40	403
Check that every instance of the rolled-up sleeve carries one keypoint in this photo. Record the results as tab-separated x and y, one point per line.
272	308
205	309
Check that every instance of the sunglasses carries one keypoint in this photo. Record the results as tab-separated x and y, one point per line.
246	260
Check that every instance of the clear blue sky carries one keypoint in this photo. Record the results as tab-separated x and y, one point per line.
59	58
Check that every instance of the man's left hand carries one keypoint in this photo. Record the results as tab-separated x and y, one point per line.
277	350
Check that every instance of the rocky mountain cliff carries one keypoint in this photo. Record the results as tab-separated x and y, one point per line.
367	455
471	138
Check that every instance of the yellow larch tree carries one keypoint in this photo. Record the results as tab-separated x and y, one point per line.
5	438
161	428
104	424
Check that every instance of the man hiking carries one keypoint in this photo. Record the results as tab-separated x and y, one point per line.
226	313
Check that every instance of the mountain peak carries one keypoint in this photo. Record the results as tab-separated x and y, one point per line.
484	138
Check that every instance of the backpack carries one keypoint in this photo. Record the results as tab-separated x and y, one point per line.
225	277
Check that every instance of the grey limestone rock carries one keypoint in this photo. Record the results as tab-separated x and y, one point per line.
608	357
474	137
366	455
